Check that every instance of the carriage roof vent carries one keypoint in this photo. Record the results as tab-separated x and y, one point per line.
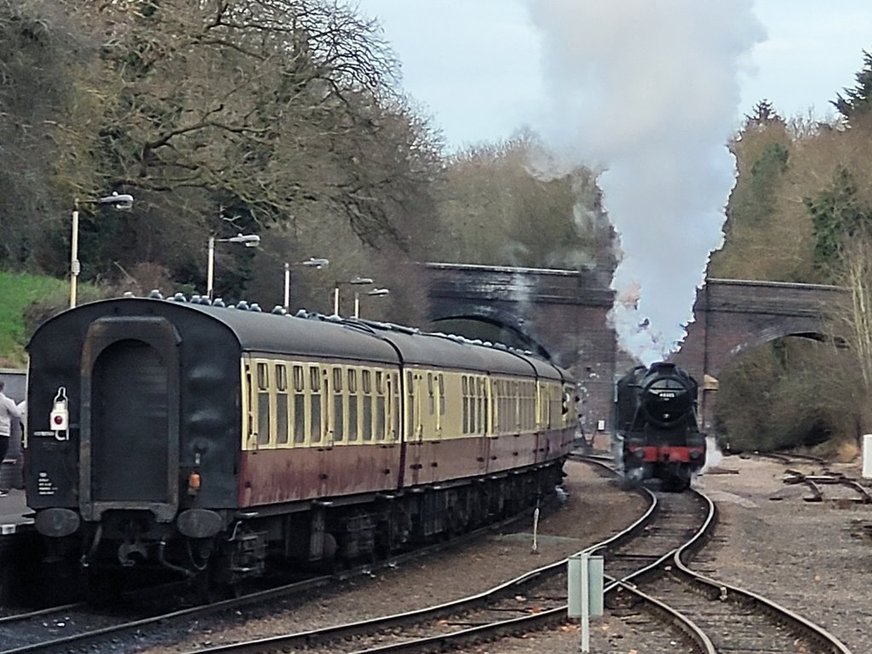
242	305
218	302
279	310
127	294
255	307
179	297
155	294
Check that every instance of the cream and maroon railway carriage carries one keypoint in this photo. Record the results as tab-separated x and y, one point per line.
198	437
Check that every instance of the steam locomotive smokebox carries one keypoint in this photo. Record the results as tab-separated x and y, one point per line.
867	456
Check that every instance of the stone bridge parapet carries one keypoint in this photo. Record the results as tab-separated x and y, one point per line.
564	314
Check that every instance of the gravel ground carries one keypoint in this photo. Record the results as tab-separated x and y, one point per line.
809	557
595	509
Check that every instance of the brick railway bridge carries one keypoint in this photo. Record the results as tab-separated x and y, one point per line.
564	313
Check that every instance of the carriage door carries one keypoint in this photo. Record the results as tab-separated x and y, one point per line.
130	418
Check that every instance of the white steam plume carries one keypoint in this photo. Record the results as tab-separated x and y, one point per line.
648	92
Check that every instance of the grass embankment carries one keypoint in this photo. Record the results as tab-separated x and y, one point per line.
17	292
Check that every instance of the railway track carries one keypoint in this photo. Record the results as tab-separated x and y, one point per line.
649	586
79	625
816	483
713	616
649	583
64	628
792	457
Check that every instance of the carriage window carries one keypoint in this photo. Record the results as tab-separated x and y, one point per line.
431	399
475	410
441	379
367	381
367	416
298	379
262	404
464	383
338	417
479	406
516	404
315	431
338	406
299	418
352	418
352	381
299	406
501	406
410	407
281	403
380	423
486	406
314	405
394	399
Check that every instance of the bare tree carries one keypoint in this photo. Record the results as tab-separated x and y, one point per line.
38	44
508	204
853	322
229	115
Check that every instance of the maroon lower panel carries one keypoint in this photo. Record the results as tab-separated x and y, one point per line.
288	475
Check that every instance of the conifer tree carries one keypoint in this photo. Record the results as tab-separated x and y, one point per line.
857	100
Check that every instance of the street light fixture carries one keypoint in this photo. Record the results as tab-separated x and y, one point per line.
248	240
312	262
122	202
376	292
355	281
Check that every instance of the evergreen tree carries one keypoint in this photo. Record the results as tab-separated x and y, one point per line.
837	215
764	114
857	101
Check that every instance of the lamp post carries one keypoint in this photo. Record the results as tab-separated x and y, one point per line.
122	202
311	262
356	281
248	240
376	292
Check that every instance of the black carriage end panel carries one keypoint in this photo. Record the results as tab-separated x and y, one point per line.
129	444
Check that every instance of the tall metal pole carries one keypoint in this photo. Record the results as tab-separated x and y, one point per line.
336	299
357	304
210	267
74	256
287	303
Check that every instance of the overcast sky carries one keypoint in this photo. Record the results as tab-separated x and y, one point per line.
474	65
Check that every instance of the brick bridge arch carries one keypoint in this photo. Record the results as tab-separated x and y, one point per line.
565	312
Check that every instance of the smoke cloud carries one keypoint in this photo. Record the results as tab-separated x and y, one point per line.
648	93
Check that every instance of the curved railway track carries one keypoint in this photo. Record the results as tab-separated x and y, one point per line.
649	582
649	585
78	625
815	483
61	629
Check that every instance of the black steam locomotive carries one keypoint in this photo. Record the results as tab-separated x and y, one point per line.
197	439
656	429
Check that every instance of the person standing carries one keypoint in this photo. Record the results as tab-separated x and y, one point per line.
8	412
